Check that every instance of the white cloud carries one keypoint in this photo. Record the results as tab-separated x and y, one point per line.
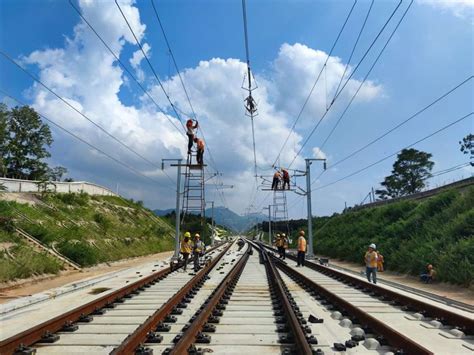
318	153
87	76
460	8
136	60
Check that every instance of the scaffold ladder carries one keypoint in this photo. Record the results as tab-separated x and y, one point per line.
194	193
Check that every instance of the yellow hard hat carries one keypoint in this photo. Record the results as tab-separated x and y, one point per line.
283	235
187	234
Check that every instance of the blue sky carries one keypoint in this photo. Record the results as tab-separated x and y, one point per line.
431	52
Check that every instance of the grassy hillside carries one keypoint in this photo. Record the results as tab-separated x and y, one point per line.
410	234
86	229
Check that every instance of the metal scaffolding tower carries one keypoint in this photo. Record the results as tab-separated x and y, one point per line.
280	210
194	201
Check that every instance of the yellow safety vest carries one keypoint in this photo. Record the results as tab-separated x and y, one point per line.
186	248
301	244
371	259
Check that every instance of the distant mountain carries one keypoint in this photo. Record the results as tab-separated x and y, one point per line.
227	218
161	213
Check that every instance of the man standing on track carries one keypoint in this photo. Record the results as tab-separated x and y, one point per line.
301	249
278	244
198	249
371	263
186	248
285	246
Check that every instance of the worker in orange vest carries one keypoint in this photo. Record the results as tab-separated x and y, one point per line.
301	249
370	258
276	180
286	179
200	150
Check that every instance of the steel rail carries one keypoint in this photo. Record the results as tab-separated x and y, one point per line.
301	342
189	336
35	334
139	336
445	316
395	338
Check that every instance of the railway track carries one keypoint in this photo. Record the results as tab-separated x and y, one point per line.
247	301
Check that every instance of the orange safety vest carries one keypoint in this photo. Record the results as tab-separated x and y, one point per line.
200	144
277	175
301	244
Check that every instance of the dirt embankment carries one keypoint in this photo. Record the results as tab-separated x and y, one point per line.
27	287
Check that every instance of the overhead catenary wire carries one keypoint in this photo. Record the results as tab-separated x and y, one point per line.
102	129
394	128
149	64
395	153
178	71
362	82
101	151
249	77
124	67
314	85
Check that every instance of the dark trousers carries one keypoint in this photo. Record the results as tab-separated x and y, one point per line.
190	141
196	261
283	253
280	251
185	259
300	258
200	156
371	272
275	183
286	182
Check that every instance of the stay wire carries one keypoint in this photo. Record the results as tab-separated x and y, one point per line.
315	83
123	164
361	84
419	112
76	110
124	67
395	153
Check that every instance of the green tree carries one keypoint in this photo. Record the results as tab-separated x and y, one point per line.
409	173
467	146
3	137
28	138
57	173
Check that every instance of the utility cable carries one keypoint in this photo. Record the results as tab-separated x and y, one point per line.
124	67
178	71
149	64
75	109
314	85
397	152
419	112
125	165
363	81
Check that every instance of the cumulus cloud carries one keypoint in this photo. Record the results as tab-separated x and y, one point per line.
87	76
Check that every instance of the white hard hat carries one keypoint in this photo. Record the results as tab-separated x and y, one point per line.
373	246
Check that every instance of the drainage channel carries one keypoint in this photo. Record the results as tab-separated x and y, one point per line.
108	324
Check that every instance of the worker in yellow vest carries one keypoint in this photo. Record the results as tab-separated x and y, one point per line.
301	249
279	244
371	258
186	248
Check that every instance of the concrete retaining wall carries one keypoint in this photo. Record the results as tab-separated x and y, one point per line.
15	185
